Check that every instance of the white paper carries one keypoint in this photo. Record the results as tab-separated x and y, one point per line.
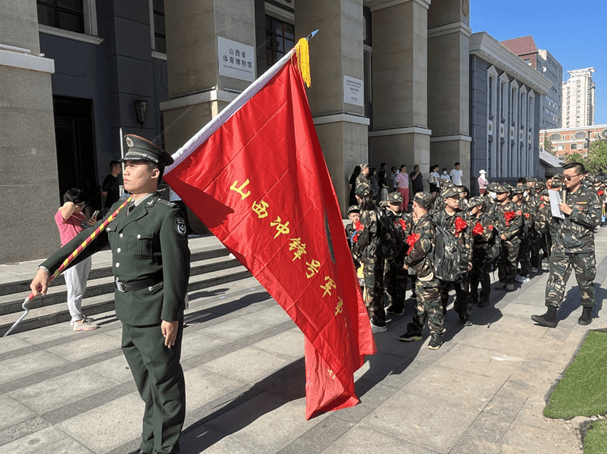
555	200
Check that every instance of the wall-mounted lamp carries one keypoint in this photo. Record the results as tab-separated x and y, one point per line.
141	110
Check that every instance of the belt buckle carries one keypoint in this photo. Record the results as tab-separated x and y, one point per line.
121	286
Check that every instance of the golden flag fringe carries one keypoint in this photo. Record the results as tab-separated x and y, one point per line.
303	60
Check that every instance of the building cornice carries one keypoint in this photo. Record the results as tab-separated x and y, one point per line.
341	118
451	138
401	131
197	98
455	27
26	61
495	53
574	128
381	4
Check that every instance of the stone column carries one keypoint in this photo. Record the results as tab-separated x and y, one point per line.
28	193
336	56
448	84
400	116
197	30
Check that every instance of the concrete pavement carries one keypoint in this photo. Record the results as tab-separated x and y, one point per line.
481	392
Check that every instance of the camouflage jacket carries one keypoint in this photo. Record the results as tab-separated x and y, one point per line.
575	233
526	210
362	179
543	217
509	228
408	228
418	256
464	235
482	230
364	243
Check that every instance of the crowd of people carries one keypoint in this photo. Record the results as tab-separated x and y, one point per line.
517	230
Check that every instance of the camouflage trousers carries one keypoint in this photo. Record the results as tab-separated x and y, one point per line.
508	260
584	265
428	307
536	247
524	256
479	274
395	281
462	303
374	295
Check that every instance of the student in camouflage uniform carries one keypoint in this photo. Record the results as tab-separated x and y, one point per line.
354	216
508	225
396	276
427	287
455	221
365	244
542	226
363	177
536	234
573	246
524	251
482	233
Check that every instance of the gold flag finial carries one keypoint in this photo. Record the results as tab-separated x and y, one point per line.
303	60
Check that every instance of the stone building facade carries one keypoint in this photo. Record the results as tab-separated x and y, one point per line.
504	112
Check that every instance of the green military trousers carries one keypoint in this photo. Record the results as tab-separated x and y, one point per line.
160	381
584	265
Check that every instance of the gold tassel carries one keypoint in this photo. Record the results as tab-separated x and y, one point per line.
303	60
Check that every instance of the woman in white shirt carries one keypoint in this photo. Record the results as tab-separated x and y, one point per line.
434	180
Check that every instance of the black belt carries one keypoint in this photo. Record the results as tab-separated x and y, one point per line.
133	286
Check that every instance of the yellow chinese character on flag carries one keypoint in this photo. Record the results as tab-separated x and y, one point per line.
240	189
298	247
280	228
260	209
330	284
339	309
313	268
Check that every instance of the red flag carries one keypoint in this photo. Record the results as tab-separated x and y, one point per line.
257	178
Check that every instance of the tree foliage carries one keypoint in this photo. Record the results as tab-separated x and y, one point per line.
597	157
548	144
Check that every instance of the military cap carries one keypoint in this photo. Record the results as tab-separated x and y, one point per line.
451	191
502	188
395	197
476	202
362	189
424	200
539	185
517	190
545	192
364	166
447	185
557	181
140	149
354	209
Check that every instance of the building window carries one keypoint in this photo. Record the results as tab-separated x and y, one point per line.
280	39
560	147
574	146
64	14
555	136
580	135
160	36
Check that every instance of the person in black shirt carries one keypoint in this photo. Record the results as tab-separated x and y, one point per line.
110	189
417	180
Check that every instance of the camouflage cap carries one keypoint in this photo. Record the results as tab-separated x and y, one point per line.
557	181
518	190
476	202
424	200
362	189
545	192
395	197
354	209
539	185
364	166
451	191
503	188
492	186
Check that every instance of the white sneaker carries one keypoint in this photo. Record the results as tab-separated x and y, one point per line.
534	269
545	265
378	329
84	325
519	278
85	318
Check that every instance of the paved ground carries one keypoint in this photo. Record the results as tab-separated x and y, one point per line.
482	392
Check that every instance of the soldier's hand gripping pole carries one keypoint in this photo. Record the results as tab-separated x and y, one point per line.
69	260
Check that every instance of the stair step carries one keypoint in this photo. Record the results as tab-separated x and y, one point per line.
58	313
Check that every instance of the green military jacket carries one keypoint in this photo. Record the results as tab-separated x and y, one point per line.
364	244
151	242
575	233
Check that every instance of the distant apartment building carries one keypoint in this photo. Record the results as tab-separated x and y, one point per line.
578	99
567	141
543	61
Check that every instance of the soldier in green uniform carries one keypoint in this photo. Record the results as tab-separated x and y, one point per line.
536	234
151	267
427	286
543	220
508	224
483	235
573	246
524	252
455	221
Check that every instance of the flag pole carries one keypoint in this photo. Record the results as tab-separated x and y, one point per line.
70	259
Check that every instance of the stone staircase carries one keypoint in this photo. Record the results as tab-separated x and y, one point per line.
210	263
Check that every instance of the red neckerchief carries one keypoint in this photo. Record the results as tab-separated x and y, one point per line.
509	216
478	229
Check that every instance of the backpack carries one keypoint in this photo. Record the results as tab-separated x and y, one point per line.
448	257
392	236
496	247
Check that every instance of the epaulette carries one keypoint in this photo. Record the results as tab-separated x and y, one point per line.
166	202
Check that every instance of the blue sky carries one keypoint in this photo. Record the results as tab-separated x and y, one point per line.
574	32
